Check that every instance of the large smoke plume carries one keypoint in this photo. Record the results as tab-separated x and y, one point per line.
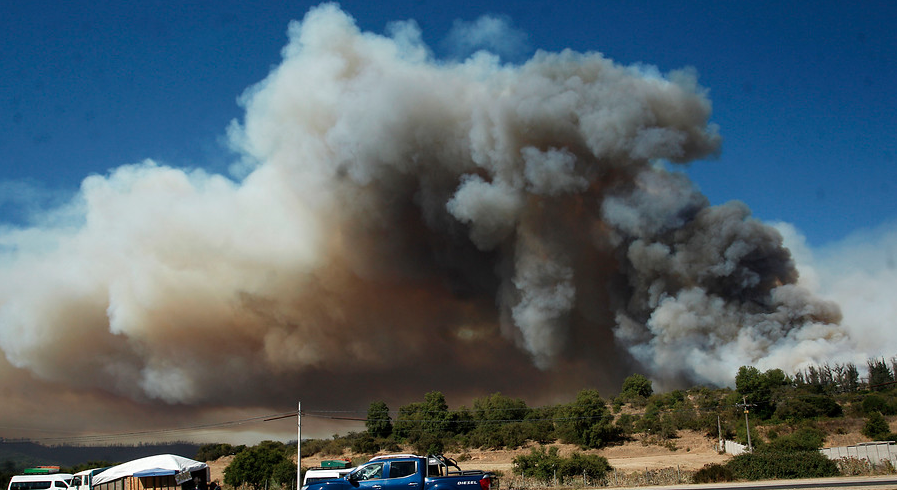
403	225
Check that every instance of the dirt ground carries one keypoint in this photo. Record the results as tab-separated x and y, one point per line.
691	451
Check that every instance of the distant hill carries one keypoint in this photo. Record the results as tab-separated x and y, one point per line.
24	454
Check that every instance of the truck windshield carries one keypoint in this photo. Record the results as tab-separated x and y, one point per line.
372	471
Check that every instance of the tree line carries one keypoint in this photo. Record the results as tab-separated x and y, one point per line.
790	410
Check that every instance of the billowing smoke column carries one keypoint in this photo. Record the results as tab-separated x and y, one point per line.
405	225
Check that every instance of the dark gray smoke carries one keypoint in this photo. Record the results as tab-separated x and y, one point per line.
407	225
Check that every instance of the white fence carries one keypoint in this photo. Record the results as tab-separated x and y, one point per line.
874	452
733	448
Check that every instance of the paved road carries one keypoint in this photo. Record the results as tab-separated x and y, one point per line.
886	482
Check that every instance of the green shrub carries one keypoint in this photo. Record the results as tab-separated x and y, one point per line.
626	423
588	422
713	473
589	465
546	465
636	386
365	445
429	443
539	463
210	452
507	435
378	422
260	465
311	447
803	439
876	427
877	403
807	406
768	465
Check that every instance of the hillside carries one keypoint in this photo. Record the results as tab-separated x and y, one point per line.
692	451
688	452
29	453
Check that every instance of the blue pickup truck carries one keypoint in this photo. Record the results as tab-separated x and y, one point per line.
409	472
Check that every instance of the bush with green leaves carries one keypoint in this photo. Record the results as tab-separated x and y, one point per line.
658	424
626	422
498	421
425	425
496	409
510	435
801	406
366	444
211	452
803	439
876	427
378	422
540	463
635	390
263	465
741	433
590	466
770	465
878	402
330	447
760	388
713	473
541	424
587	422
547	465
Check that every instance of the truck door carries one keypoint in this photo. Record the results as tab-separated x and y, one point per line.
403	475
390	475
369	476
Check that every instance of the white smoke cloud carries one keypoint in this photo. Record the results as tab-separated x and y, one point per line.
397	214
494	34
858	272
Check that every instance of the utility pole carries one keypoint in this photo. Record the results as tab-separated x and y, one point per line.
747	424
719	427
299	446
298	441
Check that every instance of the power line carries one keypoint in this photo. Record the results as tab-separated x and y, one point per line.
94	438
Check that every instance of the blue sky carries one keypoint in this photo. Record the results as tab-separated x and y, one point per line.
803	93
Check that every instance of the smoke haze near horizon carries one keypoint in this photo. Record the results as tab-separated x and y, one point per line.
403	225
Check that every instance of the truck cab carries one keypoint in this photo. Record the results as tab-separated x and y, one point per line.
83	480
387	474
409	472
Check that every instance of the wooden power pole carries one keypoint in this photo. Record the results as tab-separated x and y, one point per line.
747	424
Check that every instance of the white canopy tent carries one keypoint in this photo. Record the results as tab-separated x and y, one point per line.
160	465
